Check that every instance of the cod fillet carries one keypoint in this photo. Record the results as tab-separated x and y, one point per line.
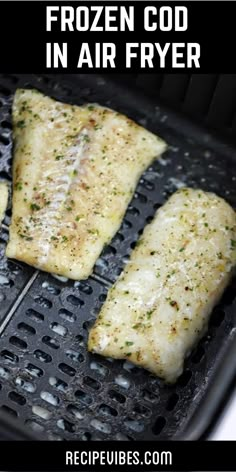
3	200
161	303
75	172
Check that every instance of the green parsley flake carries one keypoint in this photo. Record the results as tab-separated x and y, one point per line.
18	186
34	207
20	124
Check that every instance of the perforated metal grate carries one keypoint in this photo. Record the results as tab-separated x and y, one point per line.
47	378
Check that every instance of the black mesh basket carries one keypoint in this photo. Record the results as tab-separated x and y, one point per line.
48	380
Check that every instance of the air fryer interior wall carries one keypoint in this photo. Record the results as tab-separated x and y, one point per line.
208	99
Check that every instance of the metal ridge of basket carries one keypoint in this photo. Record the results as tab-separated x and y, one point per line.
47	378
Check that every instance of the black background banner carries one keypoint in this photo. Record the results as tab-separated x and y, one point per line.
23	37
51	456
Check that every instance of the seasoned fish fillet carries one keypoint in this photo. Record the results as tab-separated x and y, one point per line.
75	172
3	200
161	303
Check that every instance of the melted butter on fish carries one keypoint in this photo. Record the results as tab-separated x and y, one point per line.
75	172
3	199
160	305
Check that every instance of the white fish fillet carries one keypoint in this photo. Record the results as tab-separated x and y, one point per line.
3	200
75	171
161	303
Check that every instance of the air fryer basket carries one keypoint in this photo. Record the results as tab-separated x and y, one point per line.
47	378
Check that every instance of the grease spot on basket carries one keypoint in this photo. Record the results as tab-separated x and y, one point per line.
134	425
66	425
41	412
67	315
4	373
43	302
25	385
122	381
42	356
38	428
141	410
159	425
99	368
59	384
51	288
176	183
107	410
49	341
129	366
92	383
34	370
50	398
59	329
121	437
60	278
17	398
150	391
27	329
